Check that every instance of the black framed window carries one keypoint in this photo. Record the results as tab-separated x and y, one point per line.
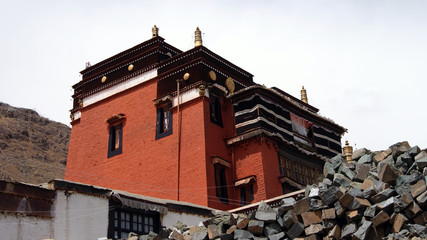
122	221
164	121
115	140
221	183
215	110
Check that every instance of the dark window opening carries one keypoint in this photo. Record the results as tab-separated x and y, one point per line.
115	140
246	194
215	110
242	196
123	221
164	121
221	183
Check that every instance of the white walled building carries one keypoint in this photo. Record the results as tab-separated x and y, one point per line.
69	210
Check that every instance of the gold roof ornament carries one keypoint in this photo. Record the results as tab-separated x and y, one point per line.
155	31
104	79
304	95
230	85
186	76
130	67
198	38
212	75
348	151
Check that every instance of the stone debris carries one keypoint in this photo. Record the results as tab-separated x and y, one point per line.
378	195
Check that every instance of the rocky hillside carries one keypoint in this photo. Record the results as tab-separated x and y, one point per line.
33	149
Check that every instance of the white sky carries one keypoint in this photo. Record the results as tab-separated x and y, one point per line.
363	63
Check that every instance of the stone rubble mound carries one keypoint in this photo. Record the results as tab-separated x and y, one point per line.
377	195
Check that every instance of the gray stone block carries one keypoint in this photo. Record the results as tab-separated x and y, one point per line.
256	227
266	215
363	230
315	204
277	236
313	229
414	151
330	196
242	234
348	173
337	161
290	218
369	192
386	205
271	229
341	180
370	211
348	230
420	155
367	158
421	163
383	195
296	230
328	170
286	204
359	153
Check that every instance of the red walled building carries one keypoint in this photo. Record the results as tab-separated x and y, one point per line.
192	126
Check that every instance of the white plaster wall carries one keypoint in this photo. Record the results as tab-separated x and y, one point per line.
25	228
79	216
171	218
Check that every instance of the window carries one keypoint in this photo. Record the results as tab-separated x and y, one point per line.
215	110
297	171
164	121
246	194
221	183
115	140
124	221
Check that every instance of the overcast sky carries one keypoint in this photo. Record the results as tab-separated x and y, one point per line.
363	63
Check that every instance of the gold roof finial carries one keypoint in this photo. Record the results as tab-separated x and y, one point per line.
155	31
304	95
198	38
348	151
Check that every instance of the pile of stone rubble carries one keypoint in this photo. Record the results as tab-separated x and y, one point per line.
377	195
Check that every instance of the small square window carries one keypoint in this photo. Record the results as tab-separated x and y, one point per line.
164	121
115	140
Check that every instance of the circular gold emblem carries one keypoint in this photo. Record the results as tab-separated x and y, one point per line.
212	75
130	67
230	84
103	79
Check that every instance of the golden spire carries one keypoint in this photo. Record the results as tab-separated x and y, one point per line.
348	151
304	95
155	31
198	38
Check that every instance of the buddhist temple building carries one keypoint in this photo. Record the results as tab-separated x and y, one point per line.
192	126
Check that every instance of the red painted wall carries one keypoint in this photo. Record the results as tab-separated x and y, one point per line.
150	167
258	157
146	166
216	145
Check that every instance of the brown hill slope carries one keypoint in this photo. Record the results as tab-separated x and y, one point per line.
33	149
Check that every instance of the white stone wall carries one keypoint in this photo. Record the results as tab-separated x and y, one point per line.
79	216
17	227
